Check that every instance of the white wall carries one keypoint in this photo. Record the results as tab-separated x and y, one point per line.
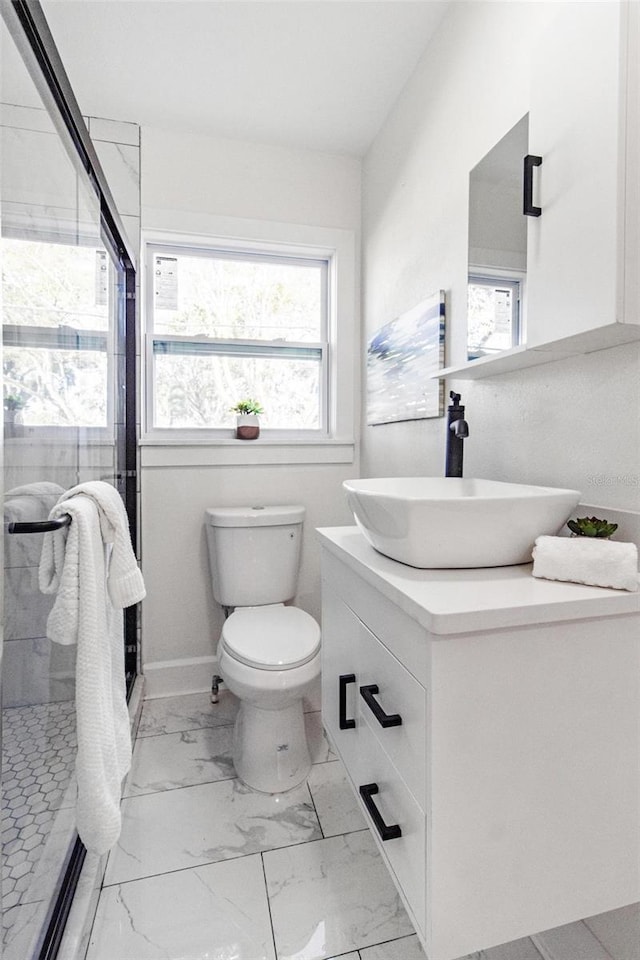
188	184
569	423
251	180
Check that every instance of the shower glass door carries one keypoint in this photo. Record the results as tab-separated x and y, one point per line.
63	307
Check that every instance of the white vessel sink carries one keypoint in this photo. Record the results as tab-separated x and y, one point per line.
438	522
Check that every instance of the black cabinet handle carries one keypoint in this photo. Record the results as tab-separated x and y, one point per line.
345	679
386	831
528	208
384	719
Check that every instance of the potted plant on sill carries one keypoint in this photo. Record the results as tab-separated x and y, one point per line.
247	422
13	404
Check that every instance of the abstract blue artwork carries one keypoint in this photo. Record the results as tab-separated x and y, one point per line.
401	357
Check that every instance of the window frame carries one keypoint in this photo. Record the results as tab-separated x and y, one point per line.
495	277
167	244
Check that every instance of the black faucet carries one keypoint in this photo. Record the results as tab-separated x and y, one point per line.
457	430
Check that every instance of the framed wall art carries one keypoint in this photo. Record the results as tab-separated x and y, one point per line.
401	357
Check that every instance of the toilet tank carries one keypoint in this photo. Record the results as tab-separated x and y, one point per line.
254	553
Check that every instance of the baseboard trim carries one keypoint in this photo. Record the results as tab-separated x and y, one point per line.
173	678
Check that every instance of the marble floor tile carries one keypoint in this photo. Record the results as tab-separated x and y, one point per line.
618	931
334	800
571	941
332	897
406	948
523	949
213	912
319	746
201	755
347	956
181	760
206	823
410	948
21	927
191	712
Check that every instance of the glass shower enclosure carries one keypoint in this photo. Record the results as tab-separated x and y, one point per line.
68	289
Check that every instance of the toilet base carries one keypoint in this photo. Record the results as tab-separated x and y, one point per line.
270	750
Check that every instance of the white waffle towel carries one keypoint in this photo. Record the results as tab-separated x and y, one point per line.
91	567
600	563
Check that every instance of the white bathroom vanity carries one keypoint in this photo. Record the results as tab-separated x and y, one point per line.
497	738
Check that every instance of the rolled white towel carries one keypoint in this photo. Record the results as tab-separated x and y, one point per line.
600	563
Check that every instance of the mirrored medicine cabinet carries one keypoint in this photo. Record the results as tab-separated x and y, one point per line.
497	256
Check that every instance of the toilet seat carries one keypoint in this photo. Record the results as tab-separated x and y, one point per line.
271	637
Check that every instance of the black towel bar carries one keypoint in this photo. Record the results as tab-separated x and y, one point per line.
39	526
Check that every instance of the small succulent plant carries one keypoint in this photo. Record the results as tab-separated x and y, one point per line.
592	527
15	401
247	406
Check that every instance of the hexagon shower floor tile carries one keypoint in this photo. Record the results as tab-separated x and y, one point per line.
39	744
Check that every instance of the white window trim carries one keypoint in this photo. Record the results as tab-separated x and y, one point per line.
234	344
338	247
504	274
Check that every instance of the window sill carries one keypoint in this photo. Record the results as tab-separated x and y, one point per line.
65	436
221	453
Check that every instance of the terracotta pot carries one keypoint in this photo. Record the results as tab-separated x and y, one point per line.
247	426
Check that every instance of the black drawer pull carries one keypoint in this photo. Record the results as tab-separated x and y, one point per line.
384	719
344	723
386	831
528	208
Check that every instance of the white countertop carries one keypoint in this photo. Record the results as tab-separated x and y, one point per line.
460	601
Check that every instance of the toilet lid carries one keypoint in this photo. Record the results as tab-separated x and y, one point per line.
271	638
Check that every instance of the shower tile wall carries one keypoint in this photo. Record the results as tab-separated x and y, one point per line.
34	671
118	147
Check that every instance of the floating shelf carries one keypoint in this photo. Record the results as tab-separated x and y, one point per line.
518	358
503	362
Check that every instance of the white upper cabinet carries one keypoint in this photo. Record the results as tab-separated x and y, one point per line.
582	259
583	107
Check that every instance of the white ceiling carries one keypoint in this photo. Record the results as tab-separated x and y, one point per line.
318	75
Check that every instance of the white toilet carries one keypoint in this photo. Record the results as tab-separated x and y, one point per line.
269	653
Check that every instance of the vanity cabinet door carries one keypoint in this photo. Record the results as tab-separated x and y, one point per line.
406	854
389	688
353	658
577	125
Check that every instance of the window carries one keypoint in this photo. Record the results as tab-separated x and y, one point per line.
493	315
226	324
56	334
